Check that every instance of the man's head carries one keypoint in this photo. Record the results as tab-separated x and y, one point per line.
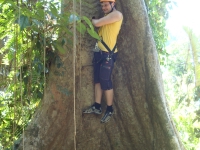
107	5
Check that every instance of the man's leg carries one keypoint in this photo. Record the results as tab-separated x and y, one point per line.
106	85
96	107
98	93
109	97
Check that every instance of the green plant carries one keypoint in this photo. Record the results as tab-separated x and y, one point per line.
32	34
158	13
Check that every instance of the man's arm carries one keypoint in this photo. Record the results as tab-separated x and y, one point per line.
110	18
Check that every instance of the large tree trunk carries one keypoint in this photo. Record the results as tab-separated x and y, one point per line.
141	120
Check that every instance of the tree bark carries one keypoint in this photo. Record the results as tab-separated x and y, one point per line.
141	120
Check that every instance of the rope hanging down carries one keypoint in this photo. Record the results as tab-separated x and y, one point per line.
21	92
44	48
15	81
74	69
74	62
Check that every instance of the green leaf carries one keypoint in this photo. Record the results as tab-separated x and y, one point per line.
63	41
27	12
23	22
59	47
39	94
66	30
90	30
81	27
88	22
53	10
35	28
41	14
93	34
9	2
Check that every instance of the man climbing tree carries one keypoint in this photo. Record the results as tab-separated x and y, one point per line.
105	54
142	120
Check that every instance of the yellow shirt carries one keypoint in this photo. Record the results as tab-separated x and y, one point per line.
109	33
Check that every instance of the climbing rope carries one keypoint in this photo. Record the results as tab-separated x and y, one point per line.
80	47
44	49
20	74
74	68
21	92
15	81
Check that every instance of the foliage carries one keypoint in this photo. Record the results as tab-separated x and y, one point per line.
195	49
179	81
32	34
158	13
81	27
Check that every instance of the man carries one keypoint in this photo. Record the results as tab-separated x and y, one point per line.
104	60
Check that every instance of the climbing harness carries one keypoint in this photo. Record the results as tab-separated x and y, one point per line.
110	52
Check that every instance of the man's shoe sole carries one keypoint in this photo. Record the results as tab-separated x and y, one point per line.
92	113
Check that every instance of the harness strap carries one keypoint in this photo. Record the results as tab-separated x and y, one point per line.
110	52
106	46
